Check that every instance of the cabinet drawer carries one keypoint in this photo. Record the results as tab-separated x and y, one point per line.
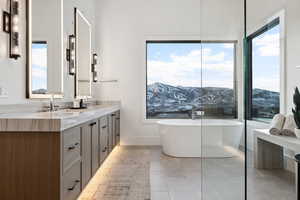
71	147
72	182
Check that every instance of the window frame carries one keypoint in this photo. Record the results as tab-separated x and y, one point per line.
180	41
277	21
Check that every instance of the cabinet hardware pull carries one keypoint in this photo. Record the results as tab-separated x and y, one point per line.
104	127
118	134
73	146
118	118
113	115
74	185
104	150
94	123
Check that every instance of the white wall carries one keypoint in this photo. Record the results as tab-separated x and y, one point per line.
13	73
122	28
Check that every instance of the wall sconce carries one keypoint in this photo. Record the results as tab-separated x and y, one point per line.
71	54
95	59
95	76
10	26
94	71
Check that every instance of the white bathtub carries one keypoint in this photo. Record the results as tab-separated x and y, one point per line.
208	138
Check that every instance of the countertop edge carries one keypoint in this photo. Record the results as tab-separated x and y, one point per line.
55	125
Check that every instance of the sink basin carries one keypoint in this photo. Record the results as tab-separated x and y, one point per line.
65	114
57	114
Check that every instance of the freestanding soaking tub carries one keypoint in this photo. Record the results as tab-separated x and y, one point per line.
207	138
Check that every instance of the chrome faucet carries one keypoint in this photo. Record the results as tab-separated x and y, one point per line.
52	107
51	103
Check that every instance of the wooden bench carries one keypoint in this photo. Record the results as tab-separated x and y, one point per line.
268	149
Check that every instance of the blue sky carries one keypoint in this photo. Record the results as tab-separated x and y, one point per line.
266	60
39	66
180	64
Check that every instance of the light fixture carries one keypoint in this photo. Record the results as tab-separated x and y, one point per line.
94	71
95	59
71	54
95	76
10	26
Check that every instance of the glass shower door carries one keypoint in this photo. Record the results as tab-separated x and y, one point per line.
222	159
272	40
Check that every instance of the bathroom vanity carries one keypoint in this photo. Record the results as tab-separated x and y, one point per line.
53	155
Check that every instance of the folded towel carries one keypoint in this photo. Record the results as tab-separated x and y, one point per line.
289	126
277	124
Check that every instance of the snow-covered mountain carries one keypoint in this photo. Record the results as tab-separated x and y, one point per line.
163	98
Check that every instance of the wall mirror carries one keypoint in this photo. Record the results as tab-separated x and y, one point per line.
83	78
44	48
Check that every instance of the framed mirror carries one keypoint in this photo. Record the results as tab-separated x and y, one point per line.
44	49
83	75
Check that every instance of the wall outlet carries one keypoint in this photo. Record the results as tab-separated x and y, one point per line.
3	92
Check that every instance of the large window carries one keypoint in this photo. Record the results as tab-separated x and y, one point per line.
264	65
186	75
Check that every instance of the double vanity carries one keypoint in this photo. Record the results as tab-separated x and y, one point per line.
53	155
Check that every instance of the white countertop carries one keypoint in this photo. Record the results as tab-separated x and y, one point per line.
53	121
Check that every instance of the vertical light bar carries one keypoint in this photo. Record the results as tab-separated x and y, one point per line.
71	54
14	29
95	76
95	59
94	71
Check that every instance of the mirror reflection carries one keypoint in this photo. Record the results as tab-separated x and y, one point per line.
83	56
45	68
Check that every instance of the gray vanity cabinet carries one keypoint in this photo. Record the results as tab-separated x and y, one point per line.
103	139
86	140
95	146
117	128
113	130
90	153
55	165
110	132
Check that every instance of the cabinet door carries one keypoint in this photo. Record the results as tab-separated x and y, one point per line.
113	129
95	146
110	133
103	138
117	127
86	154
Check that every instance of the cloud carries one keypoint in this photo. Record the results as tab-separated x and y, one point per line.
268	44
267	83
228	45
39	72
185	70
39	57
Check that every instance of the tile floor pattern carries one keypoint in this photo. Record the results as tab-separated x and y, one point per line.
125	176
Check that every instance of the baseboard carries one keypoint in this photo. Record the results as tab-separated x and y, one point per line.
140	141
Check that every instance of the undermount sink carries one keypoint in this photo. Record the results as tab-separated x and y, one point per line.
65	114
58	114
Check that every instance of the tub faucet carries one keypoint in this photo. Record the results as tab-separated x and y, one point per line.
196	113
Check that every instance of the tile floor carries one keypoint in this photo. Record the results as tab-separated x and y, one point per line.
222	179
181	178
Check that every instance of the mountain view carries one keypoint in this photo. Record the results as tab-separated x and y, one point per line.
166	101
